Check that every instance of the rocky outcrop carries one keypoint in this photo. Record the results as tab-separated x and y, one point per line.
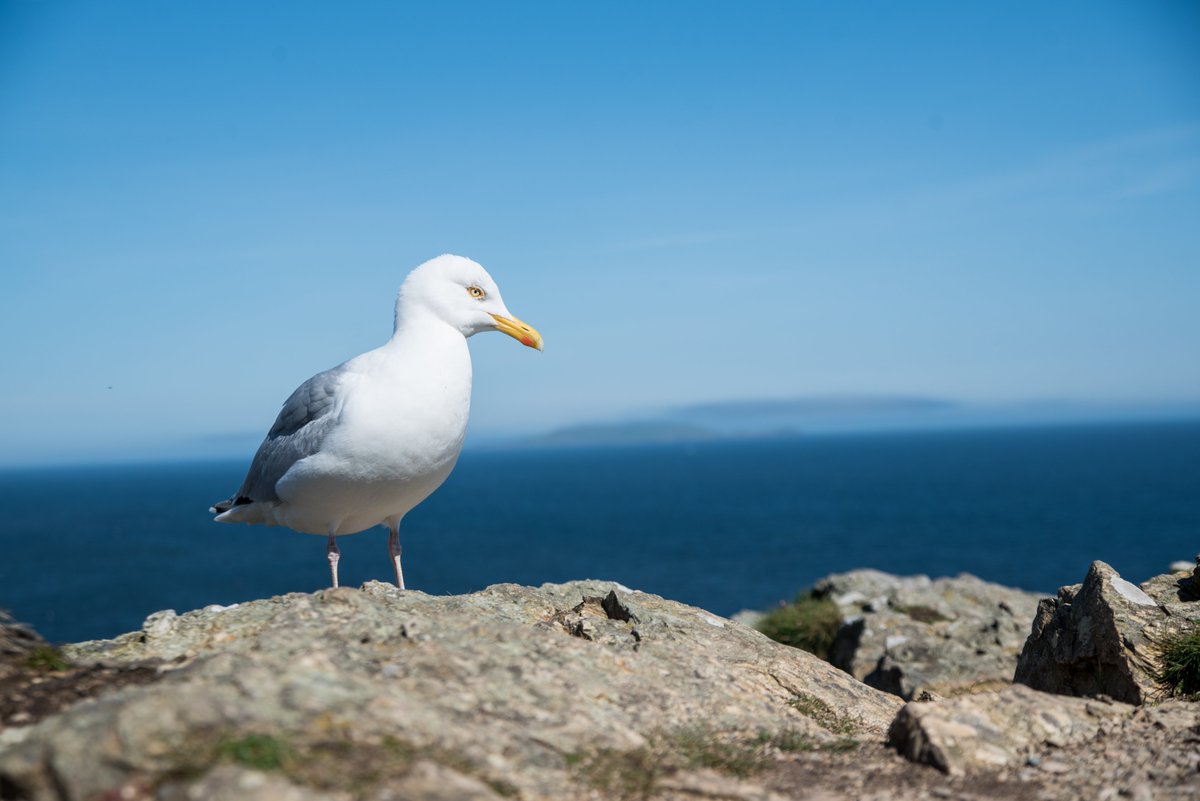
1102	637
581	690
999	728
1083	748
16	639
908	635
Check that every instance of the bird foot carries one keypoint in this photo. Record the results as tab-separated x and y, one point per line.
334	554
394	552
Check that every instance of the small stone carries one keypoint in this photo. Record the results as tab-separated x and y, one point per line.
160	624
1141	792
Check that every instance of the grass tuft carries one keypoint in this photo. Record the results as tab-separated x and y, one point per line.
807	623
788	741
258	751
46	659
1180	672
698	748
636	774
825	715
627	775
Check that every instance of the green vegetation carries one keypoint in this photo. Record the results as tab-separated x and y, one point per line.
46	659
807	623
824	715
698	748
1180	672
627	775
634	774
788	741
341	764
258	751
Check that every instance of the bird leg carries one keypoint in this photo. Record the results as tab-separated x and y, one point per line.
334	553
394	552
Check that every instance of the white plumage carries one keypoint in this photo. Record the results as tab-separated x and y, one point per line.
363	443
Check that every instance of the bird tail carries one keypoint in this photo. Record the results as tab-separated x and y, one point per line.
221	506
240	510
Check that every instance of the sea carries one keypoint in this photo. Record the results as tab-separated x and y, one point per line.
89	552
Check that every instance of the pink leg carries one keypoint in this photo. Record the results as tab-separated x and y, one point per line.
334	553
394	551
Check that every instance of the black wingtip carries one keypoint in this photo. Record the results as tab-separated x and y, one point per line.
224	506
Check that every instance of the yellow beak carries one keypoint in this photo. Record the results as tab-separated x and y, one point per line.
525	334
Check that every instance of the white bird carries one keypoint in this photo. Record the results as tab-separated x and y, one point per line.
363	443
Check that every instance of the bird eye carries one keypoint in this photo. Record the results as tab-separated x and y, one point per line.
476	292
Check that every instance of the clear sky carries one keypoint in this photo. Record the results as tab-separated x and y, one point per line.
203	203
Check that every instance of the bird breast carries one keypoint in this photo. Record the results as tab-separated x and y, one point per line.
407	422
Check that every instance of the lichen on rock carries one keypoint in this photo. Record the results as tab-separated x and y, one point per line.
500	687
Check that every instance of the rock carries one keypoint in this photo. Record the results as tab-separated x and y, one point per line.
997	729
232	782
1054	746
1101	637
912	634
748	617
380	694
16	639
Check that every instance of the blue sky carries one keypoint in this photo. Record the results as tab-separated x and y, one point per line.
202	204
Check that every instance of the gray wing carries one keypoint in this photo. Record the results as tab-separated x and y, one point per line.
302	425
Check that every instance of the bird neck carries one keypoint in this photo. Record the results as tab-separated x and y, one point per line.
419	330
414	319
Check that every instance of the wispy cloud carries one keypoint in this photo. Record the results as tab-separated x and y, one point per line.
1165	178
1133	165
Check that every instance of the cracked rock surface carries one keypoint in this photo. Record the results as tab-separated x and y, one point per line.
912	634
1102	637
537	693
1074	747
584	690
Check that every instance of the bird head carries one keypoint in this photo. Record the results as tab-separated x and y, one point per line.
460	292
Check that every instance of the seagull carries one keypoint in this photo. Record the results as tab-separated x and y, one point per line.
363	443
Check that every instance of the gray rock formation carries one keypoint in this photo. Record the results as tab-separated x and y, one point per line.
17	639
999	728
581	690
1101	637
1005	743
911	634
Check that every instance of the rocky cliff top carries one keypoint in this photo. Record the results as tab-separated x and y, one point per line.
512	690
582	690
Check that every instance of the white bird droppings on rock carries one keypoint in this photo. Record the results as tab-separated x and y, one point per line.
1131	592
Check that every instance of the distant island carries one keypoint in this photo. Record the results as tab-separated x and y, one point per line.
631	433
769	418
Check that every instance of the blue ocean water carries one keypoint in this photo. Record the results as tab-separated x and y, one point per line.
90	551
